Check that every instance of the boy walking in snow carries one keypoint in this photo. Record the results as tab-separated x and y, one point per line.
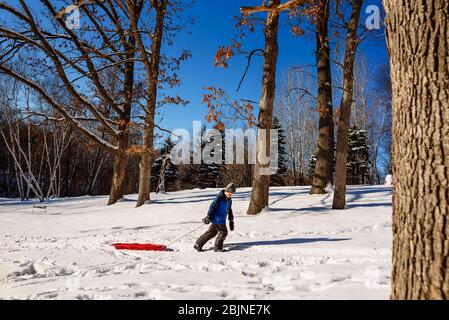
220	208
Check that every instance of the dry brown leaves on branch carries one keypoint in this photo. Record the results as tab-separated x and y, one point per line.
216	101
224	53
297	31
137	150
212	103
245	20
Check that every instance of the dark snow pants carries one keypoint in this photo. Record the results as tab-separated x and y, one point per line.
214	230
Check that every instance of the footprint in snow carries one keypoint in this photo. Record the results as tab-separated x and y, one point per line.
263	264
223	294
339	278
249	274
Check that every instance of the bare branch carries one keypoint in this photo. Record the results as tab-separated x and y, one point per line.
57	106
247	66
273	8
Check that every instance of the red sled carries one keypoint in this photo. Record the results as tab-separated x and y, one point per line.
140	246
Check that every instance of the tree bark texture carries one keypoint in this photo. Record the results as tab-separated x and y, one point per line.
418	42
339	200
152	79
325	144
261	183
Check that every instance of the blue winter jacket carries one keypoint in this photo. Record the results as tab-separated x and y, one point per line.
220	208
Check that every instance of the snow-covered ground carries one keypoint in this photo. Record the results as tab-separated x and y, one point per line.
299	249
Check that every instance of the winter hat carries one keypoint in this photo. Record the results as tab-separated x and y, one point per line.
231	188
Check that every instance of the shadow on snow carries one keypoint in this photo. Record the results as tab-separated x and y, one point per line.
246	245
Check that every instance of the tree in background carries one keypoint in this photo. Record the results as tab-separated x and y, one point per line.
295	109
63	161
371	111
282	170
106	67
158	69
78	60
379	125
261	181
151	61
312	165
352	42
164	172
358	160
325	144
209	173
260	190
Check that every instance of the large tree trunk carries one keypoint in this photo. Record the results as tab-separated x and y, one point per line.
119	174
418	41
339	200
152	79
121	156
261	183
146	163
325	145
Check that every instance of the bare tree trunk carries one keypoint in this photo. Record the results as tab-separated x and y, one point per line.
27	99
325	145
145	165
152	79
261	183
291	146
29	178
161	181
339	200
121	157
19	182
119	174
418	42
83	61
95	170
48	159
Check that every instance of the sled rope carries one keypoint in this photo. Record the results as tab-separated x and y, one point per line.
168	245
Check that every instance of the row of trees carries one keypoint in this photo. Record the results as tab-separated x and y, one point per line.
109	56
317	13
371	113
109	75
111	83
46	157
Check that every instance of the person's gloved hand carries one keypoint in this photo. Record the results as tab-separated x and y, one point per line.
206	220
231	225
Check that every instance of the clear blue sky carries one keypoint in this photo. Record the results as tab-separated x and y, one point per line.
214	27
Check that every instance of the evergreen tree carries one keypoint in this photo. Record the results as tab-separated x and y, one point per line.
280	177
208	175
223	169
358	157
164	173
312	164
